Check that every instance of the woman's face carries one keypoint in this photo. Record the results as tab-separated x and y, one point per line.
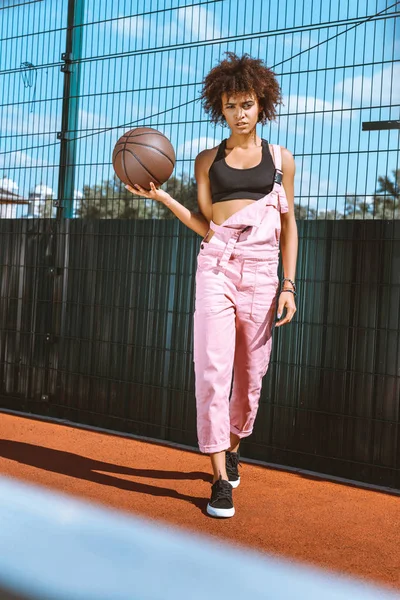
240	111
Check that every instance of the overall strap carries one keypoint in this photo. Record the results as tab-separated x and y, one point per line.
283	206
278	163
277	156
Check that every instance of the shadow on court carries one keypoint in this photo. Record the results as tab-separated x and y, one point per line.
324	523
81	467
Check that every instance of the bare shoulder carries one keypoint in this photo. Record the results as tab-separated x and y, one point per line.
288	163
205	159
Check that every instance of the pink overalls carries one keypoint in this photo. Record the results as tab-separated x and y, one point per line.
236	292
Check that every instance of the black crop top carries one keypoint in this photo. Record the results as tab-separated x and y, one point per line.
228	183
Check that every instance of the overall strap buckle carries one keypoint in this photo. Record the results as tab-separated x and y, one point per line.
278	176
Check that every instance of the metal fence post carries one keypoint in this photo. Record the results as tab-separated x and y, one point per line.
70	109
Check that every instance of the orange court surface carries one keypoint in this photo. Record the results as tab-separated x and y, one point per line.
297	516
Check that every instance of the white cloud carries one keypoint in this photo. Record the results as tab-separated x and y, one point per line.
310	184
17	120
299	41
310	104
20	159
8	185
199	23
132	26
43	190
382	88
184	69
90	120
191	148
193	23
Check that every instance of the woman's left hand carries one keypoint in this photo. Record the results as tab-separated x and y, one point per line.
154	193
286	300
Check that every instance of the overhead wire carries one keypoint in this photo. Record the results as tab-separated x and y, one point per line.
136	121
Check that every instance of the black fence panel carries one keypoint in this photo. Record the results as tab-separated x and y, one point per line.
96	327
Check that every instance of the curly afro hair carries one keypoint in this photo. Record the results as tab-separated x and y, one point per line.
237	75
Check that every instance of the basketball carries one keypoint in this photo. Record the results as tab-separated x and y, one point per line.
143	155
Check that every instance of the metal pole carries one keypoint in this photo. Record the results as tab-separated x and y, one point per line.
70	109
380	125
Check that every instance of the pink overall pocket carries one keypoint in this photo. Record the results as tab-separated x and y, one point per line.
265	291
206	261
209	295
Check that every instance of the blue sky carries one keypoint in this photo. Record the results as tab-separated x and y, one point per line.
327	92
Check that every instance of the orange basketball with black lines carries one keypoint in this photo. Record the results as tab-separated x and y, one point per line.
143	155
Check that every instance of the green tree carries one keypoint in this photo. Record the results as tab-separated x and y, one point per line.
304	212
183	189
355	207
385	203
108	200
329	215
111	200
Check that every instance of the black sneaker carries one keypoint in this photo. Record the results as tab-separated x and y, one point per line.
221	503
232	468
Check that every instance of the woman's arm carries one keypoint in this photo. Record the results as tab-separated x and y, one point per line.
195	221
199	222
288	239
201	168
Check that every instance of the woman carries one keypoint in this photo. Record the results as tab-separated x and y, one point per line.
246	199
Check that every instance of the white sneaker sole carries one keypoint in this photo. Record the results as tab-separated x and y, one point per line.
220	512
234	484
